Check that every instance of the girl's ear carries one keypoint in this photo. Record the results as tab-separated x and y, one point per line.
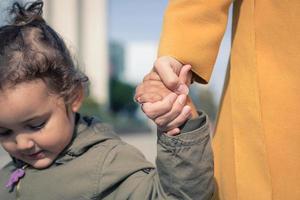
77	102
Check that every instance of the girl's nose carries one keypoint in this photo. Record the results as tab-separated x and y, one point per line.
23	142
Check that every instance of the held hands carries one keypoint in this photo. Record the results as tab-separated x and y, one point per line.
169	70
163	94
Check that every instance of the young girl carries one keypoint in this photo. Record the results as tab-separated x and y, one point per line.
58	154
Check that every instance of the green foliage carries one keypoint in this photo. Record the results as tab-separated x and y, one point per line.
122	122
91	107
121	97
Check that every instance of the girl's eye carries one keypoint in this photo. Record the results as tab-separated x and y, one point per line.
6	133
37	126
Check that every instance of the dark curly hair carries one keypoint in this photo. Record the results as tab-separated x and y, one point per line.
30	49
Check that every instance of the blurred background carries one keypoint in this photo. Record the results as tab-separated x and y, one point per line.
115	43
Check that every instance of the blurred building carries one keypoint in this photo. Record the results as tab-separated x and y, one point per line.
139	59
82	24
116	59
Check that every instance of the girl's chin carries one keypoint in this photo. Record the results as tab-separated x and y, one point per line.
40	160
41	163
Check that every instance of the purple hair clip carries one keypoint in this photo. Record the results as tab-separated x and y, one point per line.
15	177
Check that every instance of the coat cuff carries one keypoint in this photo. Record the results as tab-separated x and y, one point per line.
192	132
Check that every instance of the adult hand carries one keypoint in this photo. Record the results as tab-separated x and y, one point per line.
156	91
168	112
168	69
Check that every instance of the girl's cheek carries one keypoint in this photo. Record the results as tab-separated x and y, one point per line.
9	147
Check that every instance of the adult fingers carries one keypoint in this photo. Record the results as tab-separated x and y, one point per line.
168	70
185	75
177	107
181	119
153	110
167	75
173	132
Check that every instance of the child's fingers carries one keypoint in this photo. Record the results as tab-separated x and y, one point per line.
149	97
177	107
150	86
180	120
153	110
142	90
173	132
144	87
138	92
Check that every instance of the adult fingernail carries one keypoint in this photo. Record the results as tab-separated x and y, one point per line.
182	89
186	110
181	99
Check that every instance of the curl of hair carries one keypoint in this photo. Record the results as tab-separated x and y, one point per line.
27	13
30	49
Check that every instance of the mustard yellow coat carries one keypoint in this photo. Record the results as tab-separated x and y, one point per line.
257	141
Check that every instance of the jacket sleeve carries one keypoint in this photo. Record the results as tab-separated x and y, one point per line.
192	32
184	168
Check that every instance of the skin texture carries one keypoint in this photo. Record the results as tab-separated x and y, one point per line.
35	126
163	94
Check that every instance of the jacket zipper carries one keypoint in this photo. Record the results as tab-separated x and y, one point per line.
19	185
17	190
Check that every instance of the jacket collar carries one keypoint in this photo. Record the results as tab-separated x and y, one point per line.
88	132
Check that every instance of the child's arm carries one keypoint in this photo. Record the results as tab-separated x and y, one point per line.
185	162
184	167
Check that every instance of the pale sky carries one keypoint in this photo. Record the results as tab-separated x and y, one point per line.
135	20
138	22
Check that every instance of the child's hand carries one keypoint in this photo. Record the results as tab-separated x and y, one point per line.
169	110
165	108
156	91
151	90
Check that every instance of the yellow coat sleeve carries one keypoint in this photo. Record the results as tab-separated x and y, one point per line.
192	32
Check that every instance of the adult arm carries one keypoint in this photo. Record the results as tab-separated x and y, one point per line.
192	32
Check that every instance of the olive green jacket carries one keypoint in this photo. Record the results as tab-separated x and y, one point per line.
98	165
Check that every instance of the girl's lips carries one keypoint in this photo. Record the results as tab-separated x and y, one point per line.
37	155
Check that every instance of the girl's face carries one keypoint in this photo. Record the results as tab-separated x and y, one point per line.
34	124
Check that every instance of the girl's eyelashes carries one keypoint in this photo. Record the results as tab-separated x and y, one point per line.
33	127
5	133
37	126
